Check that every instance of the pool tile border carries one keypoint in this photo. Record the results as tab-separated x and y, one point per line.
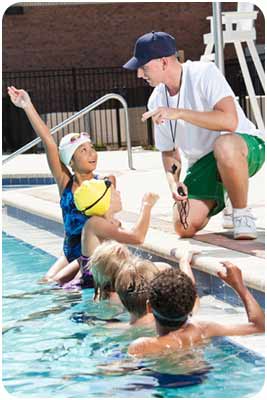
207	283
44	180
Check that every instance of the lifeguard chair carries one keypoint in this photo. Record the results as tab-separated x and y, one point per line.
239	28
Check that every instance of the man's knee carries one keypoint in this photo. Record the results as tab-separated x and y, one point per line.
223	148
184	233
228	147
191	230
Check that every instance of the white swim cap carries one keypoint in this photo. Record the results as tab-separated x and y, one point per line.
69	144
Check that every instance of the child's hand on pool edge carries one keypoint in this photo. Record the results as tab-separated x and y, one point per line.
150	199
232	276
19	97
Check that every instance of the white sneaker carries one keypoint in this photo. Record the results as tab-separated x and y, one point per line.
227	221
244	226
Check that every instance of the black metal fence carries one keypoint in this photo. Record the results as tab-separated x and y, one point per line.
59	94
235	78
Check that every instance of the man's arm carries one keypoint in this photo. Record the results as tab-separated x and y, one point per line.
256	318
223	117
172	165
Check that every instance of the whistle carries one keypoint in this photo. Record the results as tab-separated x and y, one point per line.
180	191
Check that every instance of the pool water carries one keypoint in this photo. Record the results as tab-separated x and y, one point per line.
49	351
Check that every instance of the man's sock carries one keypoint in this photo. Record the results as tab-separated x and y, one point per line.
241	211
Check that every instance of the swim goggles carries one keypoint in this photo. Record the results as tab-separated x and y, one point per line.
77	136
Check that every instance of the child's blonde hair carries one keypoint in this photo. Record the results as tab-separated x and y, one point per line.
105	264
133	281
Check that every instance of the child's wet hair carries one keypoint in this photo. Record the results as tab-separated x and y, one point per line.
172	296
132	284
105	264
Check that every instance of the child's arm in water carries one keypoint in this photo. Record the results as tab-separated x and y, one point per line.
256	318
99	228
21	99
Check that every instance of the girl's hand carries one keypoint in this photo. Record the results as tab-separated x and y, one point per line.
150	199
19	97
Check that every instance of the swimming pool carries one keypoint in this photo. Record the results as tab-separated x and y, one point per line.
49	352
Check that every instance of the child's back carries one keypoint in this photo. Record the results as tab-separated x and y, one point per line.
171	299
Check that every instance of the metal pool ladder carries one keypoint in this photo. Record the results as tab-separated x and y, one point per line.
77	115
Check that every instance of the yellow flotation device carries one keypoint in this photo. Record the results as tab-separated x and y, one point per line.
93	197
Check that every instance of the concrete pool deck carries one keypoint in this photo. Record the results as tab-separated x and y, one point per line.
214	242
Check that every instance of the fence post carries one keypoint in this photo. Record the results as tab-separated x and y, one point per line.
75	95
122	92
150	132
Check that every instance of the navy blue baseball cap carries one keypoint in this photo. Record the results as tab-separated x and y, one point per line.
149	47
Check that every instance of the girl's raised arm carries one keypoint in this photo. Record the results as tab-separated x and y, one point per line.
21	99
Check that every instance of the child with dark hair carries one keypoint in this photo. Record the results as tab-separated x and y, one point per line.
133	284
171	299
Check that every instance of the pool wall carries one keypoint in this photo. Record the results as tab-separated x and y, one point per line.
207	283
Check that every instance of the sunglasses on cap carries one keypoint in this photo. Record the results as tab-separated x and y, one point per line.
108	183
77	136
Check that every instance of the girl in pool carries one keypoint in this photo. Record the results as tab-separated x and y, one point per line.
75	152
101	201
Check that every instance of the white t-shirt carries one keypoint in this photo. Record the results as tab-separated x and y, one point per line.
203	85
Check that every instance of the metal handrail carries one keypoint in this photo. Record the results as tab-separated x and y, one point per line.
77	115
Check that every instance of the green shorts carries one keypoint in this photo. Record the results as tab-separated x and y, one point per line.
203	179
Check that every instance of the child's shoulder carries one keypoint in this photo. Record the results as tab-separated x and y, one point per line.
142	346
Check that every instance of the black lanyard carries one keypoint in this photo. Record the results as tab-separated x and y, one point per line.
173	131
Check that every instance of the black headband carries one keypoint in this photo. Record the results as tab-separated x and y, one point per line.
170	319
